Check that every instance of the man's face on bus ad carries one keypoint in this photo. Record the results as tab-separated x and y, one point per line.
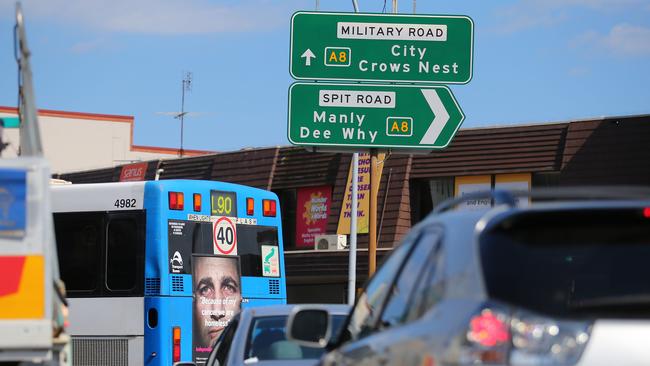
217	298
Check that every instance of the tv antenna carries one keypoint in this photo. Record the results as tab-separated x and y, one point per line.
186	85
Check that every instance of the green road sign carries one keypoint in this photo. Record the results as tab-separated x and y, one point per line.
381	47
372	116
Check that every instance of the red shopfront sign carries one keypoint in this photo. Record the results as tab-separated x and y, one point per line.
312	212
133	172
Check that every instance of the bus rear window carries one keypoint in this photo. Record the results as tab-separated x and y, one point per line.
188	237
577	263
250	240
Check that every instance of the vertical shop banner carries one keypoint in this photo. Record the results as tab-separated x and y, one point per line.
313	208
363	195
477	183
217	298
515	182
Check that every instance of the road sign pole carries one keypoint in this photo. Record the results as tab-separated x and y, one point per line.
352	267
372	216
352	275
374	191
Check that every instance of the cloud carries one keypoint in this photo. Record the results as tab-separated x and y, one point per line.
163	17
579	71
515	18
603	5
88	46
622	40
528	14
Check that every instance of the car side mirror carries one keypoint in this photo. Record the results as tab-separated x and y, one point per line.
309	326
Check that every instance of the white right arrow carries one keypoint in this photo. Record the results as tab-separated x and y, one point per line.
440	117
308	55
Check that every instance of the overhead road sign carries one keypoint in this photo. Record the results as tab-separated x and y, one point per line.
381	47
372	116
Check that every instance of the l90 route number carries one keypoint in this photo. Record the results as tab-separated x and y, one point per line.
125	203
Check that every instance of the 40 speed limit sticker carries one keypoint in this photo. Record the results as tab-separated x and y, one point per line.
224	236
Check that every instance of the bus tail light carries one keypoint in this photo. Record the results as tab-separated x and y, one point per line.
176	200
176	343
197	202
269	208
250	206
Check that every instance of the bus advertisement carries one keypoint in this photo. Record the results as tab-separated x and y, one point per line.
155	270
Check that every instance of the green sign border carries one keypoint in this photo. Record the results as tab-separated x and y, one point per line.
471	67
355	146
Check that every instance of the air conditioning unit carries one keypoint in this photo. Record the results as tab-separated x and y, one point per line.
330	242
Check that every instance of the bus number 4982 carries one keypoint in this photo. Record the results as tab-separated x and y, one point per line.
125	203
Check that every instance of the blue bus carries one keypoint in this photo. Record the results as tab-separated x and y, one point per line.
154	270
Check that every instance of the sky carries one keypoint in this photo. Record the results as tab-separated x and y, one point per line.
535	61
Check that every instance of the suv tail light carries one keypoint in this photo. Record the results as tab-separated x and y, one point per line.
540	340
487	338
497	334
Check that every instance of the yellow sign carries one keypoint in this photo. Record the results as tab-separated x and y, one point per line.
337	56
472	184
515	182
363	195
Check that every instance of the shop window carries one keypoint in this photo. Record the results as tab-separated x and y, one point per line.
426	194
441	189
546	179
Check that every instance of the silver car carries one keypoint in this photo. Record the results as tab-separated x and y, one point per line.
548	283
256	336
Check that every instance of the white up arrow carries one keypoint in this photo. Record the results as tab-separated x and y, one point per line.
308	55
440	117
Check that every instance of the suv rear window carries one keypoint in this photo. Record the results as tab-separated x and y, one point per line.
577	263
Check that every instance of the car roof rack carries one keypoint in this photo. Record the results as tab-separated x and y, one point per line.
510	197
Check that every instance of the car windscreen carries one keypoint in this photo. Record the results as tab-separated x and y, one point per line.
571	263
267	340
